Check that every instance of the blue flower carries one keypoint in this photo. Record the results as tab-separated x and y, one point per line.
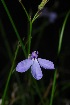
35	63
49	14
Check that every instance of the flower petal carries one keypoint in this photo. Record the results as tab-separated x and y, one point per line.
46	64
24	65
36	70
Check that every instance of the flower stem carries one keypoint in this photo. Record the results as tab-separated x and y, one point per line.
59	48
6	87
25	10
29	37
14	27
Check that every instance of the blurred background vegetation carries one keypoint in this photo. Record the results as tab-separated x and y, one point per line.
23	89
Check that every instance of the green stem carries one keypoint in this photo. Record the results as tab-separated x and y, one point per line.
14	27
53	88
62	31
6	87
24	10
59	48
36	16
29	37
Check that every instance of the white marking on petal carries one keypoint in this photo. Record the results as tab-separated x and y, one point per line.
24	65
46	64
36	70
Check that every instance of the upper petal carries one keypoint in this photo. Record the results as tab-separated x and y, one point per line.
24	65
36	70
46	64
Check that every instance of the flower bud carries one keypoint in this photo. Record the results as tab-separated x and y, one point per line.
42	4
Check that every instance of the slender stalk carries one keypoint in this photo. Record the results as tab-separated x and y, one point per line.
6	87
14	27
62	31
25	10
59	48
35	16
53	88
29	37
30	27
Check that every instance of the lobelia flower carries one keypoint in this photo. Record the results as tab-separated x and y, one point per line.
35	63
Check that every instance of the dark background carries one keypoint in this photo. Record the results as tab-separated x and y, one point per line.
48	45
